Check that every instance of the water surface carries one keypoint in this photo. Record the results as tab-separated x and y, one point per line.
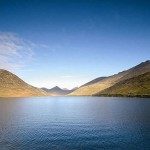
74	123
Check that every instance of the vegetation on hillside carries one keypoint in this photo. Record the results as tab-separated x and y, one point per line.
136	86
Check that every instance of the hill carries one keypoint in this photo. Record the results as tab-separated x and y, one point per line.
91	89
57	91
94	81
13	86
136	86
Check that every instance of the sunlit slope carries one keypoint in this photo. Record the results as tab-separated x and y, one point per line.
94	81
99	86
13	86
136	86
112	80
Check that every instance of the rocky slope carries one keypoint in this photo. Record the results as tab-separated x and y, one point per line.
13	86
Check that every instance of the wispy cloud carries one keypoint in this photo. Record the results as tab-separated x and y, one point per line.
15	52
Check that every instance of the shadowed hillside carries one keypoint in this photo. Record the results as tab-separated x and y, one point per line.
136	86
13	86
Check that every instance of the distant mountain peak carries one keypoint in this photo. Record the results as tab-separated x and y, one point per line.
55	91
56	88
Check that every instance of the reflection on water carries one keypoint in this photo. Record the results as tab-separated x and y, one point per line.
74	123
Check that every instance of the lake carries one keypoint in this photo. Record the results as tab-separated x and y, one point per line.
74	123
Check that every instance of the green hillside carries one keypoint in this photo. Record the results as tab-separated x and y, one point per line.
136	86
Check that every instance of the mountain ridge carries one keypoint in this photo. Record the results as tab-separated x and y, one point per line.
136	86
12	86
57	91
107	82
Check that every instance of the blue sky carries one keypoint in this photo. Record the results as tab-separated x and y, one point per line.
70	42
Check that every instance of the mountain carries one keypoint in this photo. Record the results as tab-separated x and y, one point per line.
94	81
57	91
136	86
13	86
100	85
75	88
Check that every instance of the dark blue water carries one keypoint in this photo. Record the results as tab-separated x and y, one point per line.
75	123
